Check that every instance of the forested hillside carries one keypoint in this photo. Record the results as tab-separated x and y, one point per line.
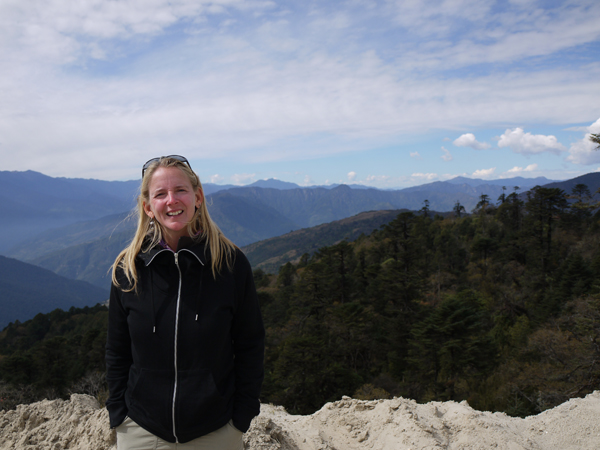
53	355
270	254
500	308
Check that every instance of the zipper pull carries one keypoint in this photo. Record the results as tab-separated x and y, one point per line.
176	259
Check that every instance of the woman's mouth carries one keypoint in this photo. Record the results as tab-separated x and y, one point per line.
175	213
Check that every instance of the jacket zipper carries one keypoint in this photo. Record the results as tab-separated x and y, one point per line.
175	344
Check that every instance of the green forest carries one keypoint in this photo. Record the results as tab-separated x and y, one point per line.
500	307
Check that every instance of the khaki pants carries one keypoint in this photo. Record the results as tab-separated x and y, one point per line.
130	436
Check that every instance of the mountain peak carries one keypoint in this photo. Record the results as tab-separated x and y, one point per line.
274	184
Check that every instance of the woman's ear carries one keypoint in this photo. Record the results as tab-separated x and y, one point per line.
199	197
148	210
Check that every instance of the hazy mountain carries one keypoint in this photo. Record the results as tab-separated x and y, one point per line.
27	290
246	220
93	208
451	188
274	184
352	186
272	253
34	203
591	180
210	188
476	187
98	243
38	203
243	221
71	235
90	261
510	183
309	207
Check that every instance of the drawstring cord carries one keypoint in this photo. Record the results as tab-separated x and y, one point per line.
198	299
199	293
152	301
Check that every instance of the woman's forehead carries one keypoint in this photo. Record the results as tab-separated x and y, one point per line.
165	177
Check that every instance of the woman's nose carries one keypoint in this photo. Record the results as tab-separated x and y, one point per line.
171	197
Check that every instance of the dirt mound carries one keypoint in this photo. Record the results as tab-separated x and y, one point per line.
348	424
78	423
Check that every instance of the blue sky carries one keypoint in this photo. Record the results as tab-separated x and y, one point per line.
385	93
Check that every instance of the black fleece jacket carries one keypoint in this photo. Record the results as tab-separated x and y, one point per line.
184	354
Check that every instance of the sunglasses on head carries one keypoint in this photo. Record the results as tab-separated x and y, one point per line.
153	160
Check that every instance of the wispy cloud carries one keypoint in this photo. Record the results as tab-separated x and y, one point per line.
424	177
447	156
91	83
243	178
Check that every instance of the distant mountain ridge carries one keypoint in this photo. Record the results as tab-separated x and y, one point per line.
523	183
38	203
246	214
272	253
28	290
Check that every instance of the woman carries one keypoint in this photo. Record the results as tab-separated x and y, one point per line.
185	344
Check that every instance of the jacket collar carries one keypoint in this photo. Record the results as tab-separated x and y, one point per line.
185	244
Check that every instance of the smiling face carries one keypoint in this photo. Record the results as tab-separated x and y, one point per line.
172	202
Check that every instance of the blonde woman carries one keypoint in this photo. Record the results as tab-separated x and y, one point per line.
185	344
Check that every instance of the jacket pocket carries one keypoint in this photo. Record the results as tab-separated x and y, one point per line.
152	396
199	402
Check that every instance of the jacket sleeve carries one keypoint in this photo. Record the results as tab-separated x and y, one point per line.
249	346
118	357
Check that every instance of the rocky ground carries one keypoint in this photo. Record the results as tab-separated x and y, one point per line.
348	424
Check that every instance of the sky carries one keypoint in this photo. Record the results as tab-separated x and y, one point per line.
384	93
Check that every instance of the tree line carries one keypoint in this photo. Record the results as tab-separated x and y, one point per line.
500	308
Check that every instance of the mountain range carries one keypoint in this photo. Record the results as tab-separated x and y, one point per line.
75	227
267	208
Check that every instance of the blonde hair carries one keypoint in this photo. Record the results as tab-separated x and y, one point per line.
148	236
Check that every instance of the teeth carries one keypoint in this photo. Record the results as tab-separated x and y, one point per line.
175	213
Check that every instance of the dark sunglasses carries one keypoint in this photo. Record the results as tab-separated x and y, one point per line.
153	160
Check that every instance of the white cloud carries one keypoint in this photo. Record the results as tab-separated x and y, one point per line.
243	178
518	170
484	173
461	33
351	176
528	144
377	179
585	152
424	176
447	156
415	155
216	178
469	140
98	81
68	30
